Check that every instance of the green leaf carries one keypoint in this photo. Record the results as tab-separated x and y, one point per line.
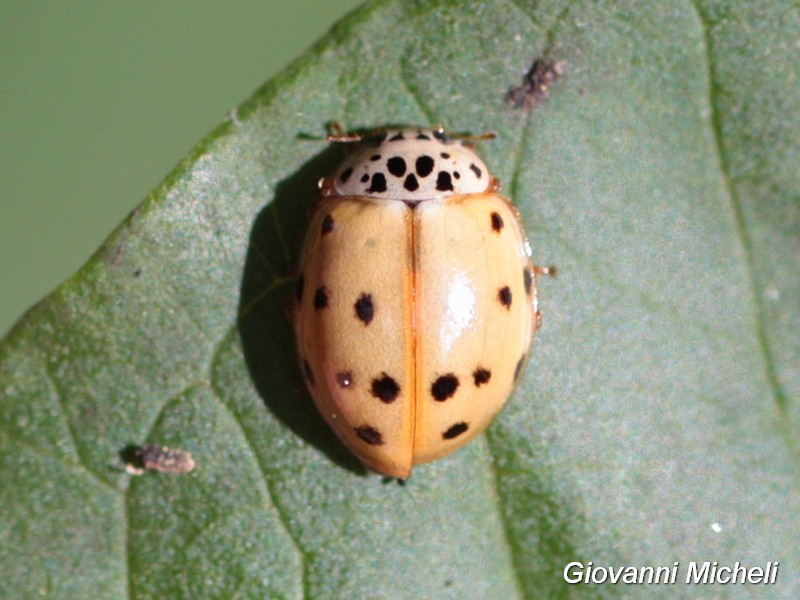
657	422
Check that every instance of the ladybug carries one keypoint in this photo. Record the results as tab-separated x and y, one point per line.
415	302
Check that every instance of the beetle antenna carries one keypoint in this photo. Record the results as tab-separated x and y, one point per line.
477	137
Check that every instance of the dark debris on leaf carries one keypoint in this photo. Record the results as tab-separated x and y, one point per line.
536	84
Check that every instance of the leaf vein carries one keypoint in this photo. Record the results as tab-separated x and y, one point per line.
413	90
79	466
735	203
508	536
268	488
51	379
530	14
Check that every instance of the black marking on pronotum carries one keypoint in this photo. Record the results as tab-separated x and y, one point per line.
365	178
455	430
422	136
345	379
504	296
456	174
321	298
411	183
424	165
375	157
497	222
298	287
309	372
327	224
365	309
444	155
396	166
520	367
385	389
444	387
370	435
481	376
397	136
527	280
378	183
444	182
476	169
346	174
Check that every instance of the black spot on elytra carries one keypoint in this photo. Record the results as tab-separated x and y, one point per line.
481	376
497	222
504	296
422	136
385	389
321	298
527	280
378	183
346	174
370	435
476	169
365	309
345	379
520	367
456	430
396	166
444	387
444	155
444	182
327	224
298	287
309	372
375	157
365	178
424	165
411	183
397	136
456	174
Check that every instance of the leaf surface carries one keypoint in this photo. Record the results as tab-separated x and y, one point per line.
656	423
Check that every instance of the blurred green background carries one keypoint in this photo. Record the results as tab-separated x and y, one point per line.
100	100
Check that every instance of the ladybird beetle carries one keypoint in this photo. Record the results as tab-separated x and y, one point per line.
415	302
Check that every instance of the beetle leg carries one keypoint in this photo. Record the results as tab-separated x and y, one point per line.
337	133
538	271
